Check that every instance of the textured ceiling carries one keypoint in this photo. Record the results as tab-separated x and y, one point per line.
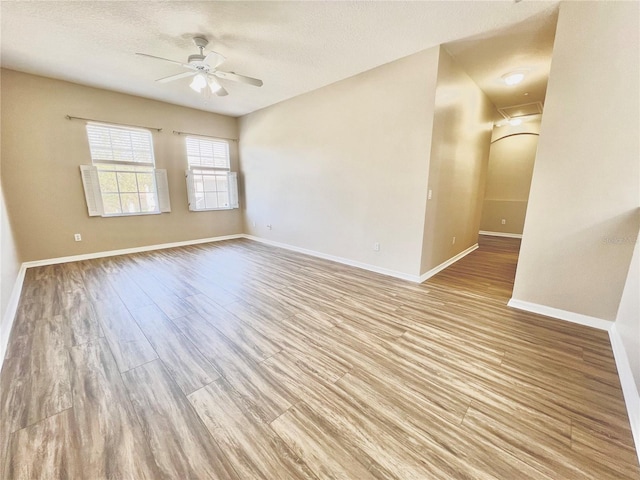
294	47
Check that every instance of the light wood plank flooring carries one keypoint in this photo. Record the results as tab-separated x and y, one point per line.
236	360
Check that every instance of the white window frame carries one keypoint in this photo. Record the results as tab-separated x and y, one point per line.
201	166
104	159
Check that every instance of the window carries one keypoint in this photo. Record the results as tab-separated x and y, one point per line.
210	183
122	179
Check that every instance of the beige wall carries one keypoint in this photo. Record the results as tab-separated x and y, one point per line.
585	190
41	152
342	167
511	159
462	126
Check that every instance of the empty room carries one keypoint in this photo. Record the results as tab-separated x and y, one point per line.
319	240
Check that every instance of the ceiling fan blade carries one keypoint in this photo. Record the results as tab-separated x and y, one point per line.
213	59
177	76
185	65
238	78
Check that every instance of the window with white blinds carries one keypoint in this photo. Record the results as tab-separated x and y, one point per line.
119	144
122	179
207	153
210	183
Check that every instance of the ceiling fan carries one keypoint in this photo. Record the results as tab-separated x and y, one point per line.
204	69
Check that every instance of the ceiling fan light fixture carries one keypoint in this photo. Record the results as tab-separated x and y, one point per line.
198	83
513	78
214	86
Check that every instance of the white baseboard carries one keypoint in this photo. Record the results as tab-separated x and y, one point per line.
10	313
500	234
124	251
367	266
629	387
333	258
425	276
573	317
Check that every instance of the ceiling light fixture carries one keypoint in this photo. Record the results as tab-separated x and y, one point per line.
204	68
513	78
514	122
214	85
198	83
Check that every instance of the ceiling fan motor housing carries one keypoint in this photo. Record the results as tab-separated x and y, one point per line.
196	58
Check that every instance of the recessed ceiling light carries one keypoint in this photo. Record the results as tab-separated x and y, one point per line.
514	122
513	78
526	93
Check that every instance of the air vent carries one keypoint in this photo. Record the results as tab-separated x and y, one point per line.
523	110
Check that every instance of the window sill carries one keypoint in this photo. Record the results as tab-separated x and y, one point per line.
212	209
137	214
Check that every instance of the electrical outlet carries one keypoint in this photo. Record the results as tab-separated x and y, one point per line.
269	226
429	195
376	246
77	237
453	241
253	224
504	221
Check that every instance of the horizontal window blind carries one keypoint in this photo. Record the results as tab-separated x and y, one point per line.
207	153
115	144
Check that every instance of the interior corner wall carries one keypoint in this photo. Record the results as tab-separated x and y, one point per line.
582	218
42	151
462	125
511	160
628	317
340	168
9	268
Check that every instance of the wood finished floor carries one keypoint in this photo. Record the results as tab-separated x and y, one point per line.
236	360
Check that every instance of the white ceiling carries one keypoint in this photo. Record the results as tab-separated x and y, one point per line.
294	47
525	46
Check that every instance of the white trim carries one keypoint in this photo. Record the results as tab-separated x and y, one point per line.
10	313
629	387
124	251
333	258
573	317
425	276
500	234
366	266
